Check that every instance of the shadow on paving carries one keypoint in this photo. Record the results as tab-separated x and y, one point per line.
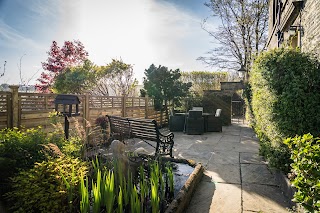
236	179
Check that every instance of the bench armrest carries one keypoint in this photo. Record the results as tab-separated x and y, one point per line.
168	138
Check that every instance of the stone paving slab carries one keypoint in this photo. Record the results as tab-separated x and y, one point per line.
267	199
252	158
226	198
201	148
224	157
203	159
202	198
237	147
230	138
224	173
255	173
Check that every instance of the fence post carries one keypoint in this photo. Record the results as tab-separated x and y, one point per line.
161	117
146	107
86	111
124	106
9	111
14	105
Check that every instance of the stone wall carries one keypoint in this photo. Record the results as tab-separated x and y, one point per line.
290	16
311	26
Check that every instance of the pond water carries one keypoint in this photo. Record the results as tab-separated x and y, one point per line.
182	172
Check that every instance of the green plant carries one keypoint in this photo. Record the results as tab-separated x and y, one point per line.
84	191
43	188
110	185
155	200
305	154
144	189
164	85
120	201
135	201
69	186
109	191
20	149
170	176
285	86
24	147
96	191
278	156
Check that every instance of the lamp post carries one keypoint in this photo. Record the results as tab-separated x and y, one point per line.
242	72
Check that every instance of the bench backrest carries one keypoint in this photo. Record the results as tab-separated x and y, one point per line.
119	127
144	129
123	128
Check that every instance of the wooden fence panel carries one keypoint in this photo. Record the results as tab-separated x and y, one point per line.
34	109
5	100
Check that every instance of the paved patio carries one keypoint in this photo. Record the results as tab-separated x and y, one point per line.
236	179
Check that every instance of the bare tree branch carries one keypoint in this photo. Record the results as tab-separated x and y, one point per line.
241	35
4	69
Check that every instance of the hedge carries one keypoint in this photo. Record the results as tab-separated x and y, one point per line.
285	87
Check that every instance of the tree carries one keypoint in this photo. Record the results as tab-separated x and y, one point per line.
69	55
4	69
76	80
241	35
204	80
116	78
164	85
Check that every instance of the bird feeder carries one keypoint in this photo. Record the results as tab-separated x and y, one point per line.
68	106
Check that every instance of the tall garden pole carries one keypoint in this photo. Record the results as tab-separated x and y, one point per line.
14	105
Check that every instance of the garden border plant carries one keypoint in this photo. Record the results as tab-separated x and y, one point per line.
305	176
285	85
61	181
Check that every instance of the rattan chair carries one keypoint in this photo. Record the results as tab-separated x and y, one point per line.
214	122
194	123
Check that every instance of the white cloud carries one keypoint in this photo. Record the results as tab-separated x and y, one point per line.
11	38
141	32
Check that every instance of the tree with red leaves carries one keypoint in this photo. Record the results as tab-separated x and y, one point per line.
69	55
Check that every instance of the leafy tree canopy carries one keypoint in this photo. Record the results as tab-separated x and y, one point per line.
116	78
59	58
204	80
163	84
76	80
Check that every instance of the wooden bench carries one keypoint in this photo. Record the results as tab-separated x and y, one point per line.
146	129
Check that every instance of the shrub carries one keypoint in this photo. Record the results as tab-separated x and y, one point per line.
305	154
50	186
21	149
285	87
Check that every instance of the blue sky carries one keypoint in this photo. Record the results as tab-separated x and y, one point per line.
141	32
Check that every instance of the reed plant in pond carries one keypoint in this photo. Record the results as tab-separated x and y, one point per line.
114	190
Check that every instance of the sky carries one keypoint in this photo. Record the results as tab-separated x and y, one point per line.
140	32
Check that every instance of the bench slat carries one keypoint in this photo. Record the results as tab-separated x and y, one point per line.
145	129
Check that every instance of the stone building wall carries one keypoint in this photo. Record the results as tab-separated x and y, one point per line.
308	17
310	20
